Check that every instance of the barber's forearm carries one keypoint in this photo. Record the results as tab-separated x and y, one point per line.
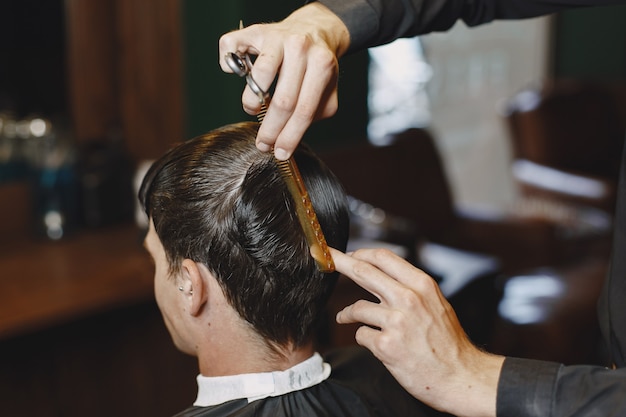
376	22
472	390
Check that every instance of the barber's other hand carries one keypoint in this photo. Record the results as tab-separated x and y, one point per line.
415	333
301	52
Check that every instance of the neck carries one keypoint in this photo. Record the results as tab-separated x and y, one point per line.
239	350
238	359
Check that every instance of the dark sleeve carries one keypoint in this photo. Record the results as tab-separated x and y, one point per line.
535	388
375	22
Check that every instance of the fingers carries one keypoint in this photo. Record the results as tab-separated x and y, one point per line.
362	311
249	41
284	101
375	318
365	274
414	331
264	70
306	89
305	69
384	329
366	337
394	266
398	285
381	272
239	41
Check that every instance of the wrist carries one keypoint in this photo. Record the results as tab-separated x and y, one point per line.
477	386
326	26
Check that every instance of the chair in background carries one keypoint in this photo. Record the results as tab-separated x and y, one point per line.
567	139
407	182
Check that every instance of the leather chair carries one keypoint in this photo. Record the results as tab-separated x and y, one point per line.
567	137
467	251
407	180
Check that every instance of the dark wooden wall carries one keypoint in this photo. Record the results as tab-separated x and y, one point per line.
125	72
121	363
80	333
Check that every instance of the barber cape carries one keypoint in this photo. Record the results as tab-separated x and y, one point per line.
358	385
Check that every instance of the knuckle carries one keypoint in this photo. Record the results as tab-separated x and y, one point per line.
225	42
385	342
330	107
425	284
361	268
358	306
250	102
373	256
325	59
408	298
224	38
298	42
284	103
382	254
304	112
263	66
394	320
359	335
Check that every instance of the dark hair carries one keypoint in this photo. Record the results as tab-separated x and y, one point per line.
219	201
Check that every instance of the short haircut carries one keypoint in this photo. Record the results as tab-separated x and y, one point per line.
217	200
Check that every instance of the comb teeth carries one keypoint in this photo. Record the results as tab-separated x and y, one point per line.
261	114
306	215
283	167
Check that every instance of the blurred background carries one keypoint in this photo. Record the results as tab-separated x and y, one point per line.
487	156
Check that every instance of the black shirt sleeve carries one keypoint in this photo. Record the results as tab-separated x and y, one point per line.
529	388
376	22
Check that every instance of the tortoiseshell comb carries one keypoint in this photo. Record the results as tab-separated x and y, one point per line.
241	65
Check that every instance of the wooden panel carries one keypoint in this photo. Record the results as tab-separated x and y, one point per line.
121	363
48	283
150	74
92	68
80	333
125	72
14	211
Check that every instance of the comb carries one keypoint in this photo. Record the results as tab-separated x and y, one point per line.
291	174
304	211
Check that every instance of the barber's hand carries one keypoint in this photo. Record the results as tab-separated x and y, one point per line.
415	333
301	52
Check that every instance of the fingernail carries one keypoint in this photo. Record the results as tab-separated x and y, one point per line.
281	154
263	147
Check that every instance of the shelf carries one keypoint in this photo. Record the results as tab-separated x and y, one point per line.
44	284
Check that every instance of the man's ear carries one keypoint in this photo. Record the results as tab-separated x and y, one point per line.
194	286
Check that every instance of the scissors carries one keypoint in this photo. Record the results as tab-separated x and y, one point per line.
242	66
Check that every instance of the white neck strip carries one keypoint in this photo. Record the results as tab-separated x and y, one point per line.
220	389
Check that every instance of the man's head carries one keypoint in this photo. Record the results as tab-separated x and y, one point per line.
219	202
